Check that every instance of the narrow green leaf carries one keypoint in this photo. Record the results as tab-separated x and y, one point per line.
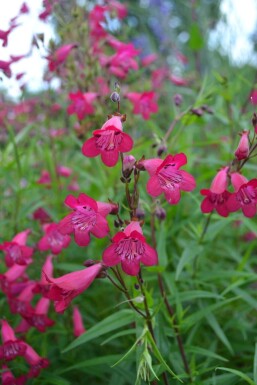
112	322
188	255
104	360
218	330
205	353
119	334
255	365
239	374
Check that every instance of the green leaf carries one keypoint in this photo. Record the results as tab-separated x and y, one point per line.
119	334
239	374
188	255
218	330
255	365
104	360
112	322
196	41
205	353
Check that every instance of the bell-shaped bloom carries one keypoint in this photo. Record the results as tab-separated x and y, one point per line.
12	347
48	269
62	290
166	177
16	251
217	196
245	195
41	215
53	240
10	276
36	362
88	216
108	142
9	379
122	61
78	326
144	103
242	151
21	304
129	248
38	316
59	56
82	104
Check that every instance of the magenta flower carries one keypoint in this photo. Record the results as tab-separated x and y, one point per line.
120	9
81	104
59	56
62	290
178	81
9	379
165	177
38	316
35	361
149	59
217	196
108	142
88	216
130	249
78	326
245	196
12	347
242	150
123	60
21	304
24	8
144	103
253	97
16	251
53	240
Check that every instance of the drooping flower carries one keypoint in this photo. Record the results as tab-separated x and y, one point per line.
78	326
144	103
12	347
120	8
108	142
166	177
16	251
21	304
217	196
9	379
81	104
36	362
123	61
53	240
242	150
88	216
129	248
59	56
41	215
62	290
245	195
24	8
38	316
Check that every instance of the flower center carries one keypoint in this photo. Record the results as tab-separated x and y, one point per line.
169	178
12	349
108	140
55	238
15	253
246	195
84	218
130	249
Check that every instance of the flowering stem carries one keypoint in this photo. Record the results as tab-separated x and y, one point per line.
174	122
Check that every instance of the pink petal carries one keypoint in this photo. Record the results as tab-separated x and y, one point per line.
101	228
180	159
153	186
126	144
115	121
43	244
21	238
130	267
105	208
188	183
233	204
133	226
82	238
71	201
65	226
85	200
110	258
173	197
206	206
89	148
249	211
150	257
110	158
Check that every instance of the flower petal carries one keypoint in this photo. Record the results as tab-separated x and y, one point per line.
89	148
110	257
153	186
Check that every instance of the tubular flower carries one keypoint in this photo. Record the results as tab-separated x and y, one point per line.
165	177
9	379
16	251
242	150
81	104
108	142
53	239
78	327
144	103
245	195
130	249
62	290
88	216
59	56
217	196
12	347
35	361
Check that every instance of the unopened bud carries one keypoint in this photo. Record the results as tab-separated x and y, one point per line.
207	109
160	213
115	97
197	111
254	120
140	213
137	287
89	262
161	149
178	99
128	165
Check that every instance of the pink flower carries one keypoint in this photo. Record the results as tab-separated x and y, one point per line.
12	347
149	59
24	8
64	171
9	379
253	97
59	56
21	304
108	142
165	177
5	67
35	361
130	248
96	19
123	60
41	215
121	9
144	103
78	327
45	178
158	76
217	196
81	104
245	196
53	240
177	80
62	290
88	216
16	251
242	150
38	317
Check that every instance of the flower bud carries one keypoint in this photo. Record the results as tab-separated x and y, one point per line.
242	150
115	97
140	213
161	149
89	262
178	99
128	165
160	213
